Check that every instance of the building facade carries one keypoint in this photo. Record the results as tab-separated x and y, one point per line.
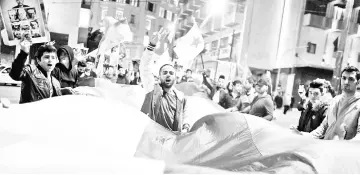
314	54
144	17
221	33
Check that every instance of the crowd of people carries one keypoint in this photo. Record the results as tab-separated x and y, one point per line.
323	114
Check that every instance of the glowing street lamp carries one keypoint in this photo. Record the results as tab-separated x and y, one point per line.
216	7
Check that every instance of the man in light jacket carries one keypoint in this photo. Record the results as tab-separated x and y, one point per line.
163	103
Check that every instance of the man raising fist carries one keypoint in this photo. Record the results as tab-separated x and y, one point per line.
163	103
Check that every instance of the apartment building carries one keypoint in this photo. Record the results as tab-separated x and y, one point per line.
144	17
312	52
221	33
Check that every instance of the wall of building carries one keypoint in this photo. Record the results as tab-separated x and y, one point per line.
317	36
64	18
261	35
289	34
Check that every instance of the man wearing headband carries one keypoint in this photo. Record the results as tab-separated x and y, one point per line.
163	103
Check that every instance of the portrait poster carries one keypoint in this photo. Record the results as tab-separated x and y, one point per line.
23	18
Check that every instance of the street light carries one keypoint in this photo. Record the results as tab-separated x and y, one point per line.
216	7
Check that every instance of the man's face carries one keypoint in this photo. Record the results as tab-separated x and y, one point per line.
238	88
261	89
20	2
89	66
64	59
122	71
188	73
81	69
34	25
48	61
221	82
314	94
348	82
22	14
12	14
167	76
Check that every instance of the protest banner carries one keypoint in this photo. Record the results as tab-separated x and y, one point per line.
23	18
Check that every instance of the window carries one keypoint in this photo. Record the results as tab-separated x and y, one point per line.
359	57
169	15
103	13
151	7
119	14
161	12
132	19
224	42
135	3
127	2
214	44
174	16
148	24
165	13
311	48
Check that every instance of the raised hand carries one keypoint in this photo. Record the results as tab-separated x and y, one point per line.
25	44
161	39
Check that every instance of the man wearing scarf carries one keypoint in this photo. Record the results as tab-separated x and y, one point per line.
342	120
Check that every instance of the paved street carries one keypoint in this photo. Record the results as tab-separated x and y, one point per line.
10	92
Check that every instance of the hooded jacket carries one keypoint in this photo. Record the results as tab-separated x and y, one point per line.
67	76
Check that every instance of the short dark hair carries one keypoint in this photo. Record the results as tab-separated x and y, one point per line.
351	69
317	84
188	70
44	48
90	59
222	77
236	82
164	66
82	63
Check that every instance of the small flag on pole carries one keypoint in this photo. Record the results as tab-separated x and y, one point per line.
189	46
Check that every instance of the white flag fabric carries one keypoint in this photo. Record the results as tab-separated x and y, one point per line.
189	46
116	32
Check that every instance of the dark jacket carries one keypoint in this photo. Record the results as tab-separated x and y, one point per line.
122	79
67	77
35	85
310	119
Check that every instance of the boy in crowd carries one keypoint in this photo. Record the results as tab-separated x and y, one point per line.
37	81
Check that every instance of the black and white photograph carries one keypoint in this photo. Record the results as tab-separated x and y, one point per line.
180	87
13	15
31	13
23	12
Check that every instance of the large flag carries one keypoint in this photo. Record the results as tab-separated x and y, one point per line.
189	46
116	32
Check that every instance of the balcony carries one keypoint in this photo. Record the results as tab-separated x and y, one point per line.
225	52
314	21
323	22
188	22
354	29
234	17
191	7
